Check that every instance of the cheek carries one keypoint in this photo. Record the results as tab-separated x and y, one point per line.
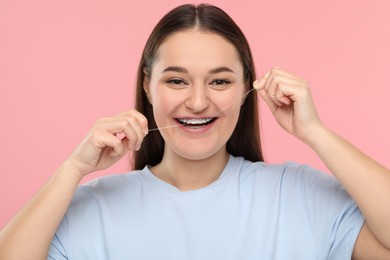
231	117
230	103
164	104
231	110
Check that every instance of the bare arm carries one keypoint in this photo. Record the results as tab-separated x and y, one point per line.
29	233
368	182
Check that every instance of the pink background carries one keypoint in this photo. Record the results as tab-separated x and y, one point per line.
63	64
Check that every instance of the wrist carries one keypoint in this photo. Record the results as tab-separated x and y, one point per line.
69	169
317	136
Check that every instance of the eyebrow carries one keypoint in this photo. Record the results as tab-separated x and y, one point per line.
221	69
175	69
183	70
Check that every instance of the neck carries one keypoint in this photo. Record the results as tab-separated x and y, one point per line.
186	174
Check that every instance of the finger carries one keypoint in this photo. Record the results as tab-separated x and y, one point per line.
130	124
271	104
281	97
134	133
113	126
272	88
103	141
267	88
282	72
125	115
116	128
295	93
259	84
283	76
128	128
277	93
269	77
142	121
125	143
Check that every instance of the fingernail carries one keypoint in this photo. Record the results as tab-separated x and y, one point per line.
257	84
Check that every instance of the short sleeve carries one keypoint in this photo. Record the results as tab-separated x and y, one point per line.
345	230
57	249
334	217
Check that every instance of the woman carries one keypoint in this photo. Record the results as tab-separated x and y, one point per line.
200	189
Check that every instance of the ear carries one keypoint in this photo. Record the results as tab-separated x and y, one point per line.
146	86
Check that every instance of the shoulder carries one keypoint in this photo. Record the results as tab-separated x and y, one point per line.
113	182
287	171
111	189
290	180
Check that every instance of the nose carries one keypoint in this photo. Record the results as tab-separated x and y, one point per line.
198	99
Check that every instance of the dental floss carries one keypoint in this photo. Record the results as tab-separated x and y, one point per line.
238	99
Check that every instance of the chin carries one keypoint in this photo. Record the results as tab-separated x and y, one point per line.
198	153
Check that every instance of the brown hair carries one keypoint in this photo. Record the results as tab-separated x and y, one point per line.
245	140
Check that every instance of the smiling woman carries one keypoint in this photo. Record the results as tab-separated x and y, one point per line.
209	23
200	188
182	85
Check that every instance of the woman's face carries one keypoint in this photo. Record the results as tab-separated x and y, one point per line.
195	75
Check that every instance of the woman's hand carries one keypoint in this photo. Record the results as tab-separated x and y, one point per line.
108	141
290	101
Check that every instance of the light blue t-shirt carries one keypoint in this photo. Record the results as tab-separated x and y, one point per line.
252	211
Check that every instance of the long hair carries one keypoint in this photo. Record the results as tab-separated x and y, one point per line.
245	139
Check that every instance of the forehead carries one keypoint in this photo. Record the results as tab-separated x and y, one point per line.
198	49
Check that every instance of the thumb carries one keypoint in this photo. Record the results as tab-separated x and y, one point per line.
259	84
271	104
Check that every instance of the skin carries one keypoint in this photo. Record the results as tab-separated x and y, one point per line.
195	76
188	150
368	182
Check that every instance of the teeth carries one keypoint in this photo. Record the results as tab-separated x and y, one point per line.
195	121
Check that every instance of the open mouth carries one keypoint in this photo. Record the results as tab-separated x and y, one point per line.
196	122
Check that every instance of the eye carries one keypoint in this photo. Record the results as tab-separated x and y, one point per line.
220	82
176	82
